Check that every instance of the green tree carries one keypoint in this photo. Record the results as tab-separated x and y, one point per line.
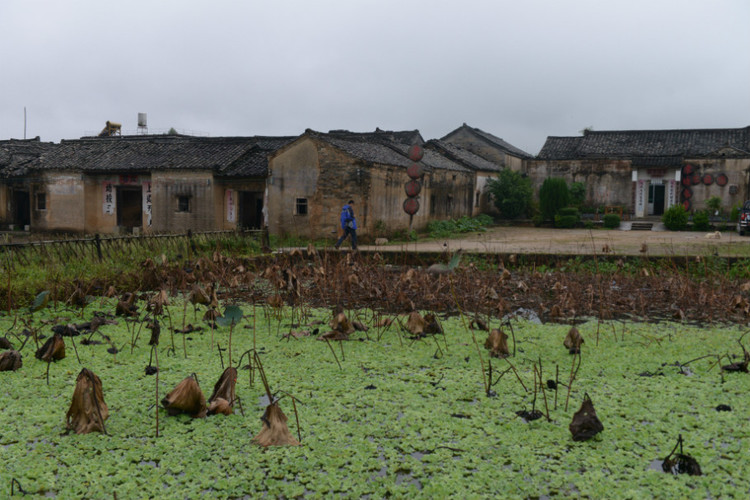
577	192
511	193
553	195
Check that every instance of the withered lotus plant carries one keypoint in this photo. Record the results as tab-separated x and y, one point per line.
275	431
155	332
585	424
573	341
186	397
87	411
223	397
497	344
415	323
10	361
680	463
431	324
126	305
341	327
52	350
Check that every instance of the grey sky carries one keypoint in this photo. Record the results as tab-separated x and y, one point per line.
521	70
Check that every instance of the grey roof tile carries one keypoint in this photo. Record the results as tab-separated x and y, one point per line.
645	143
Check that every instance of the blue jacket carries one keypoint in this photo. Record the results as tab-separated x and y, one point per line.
347	217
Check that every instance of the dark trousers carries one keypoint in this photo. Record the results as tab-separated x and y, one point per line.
348	231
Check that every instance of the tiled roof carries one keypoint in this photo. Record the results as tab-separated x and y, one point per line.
645	143
18	156
382	150
462	156
494	140
409	137
227	156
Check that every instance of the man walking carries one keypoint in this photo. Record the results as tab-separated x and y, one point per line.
348	224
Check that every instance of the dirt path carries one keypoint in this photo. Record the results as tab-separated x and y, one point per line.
586	242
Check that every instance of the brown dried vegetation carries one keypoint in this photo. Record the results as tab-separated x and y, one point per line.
186	397
87	411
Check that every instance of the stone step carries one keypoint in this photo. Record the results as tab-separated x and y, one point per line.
641	226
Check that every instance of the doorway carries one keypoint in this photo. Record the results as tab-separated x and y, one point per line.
22	212
656	199
129	207
250	209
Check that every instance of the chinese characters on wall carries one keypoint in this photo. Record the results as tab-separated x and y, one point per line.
109	198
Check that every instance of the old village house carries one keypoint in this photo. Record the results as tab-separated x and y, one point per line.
647	171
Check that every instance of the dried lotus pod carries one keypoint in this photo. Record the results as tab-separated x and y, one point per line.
10	361
186	397
585	423
497	344
573	341
52	350
275	431
223	397
87	411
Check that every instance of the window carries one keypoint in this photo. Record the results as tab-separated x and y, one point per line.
41	201
183	203
300	207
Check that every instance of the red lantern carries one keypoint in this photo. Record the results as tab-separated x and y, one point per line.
722	180
687	193
413	188
687	169
695	179
708	179
686	180
416	153
414	171
411	206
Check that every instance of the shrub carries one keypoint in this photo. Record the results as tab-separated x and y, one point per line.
538	220
675	218
553	195
714	203
569	211
577	192
566	221
734	214
700	221
611	221
511	193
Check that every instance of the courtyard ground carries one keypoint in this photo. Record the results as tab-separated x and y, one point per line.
533	240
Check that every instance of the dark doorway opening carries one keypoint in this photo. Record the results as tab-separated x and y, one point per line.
22	206
250	209
129	207
656	197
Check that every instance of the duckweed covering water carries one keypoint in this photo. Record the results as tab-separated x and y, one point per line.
401	418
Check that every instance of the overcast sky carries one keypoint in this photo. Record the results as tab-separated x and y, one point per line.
521	70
